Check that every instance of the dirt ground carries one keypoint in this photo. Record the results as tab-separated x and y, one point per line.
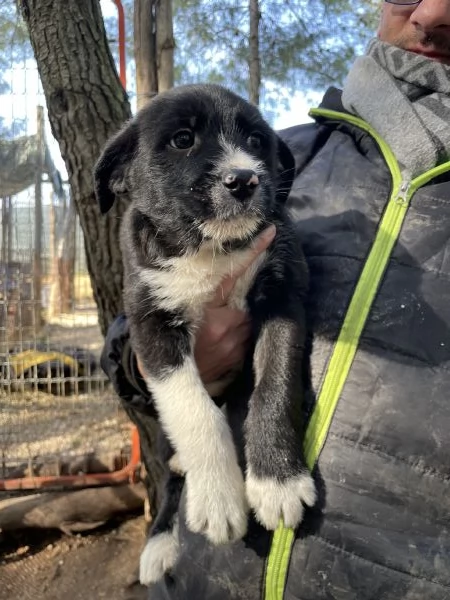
37	565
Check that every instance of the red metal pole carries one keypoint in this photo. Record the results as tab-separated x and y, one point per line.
128	474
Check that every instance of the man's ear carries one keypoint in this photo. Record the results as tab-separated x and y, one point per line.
111	170
286	171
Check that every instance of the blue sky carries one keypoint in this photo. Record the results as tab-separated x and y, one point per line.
25	94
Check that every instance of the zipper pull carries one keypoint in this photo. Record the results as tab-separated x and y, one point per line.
402	196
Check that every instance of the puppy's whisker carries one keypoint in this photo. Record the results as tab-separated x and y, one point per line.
183	239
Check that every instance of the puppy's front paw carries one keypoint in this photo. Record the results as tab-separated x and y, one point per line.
272	499
158	556
216	505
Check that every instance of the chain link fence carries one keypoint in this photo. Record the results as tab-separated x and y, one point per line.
58	415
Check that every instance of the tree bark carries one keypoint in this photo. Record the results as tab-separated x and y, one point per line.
6	255
65	255
145	51
153	48
254	61
38	222
165	44
86	105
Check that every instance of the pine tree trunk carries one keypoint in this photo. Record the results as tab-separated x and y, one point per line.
38	223
66	255
254	62
165	44
145	51
86	105
153	48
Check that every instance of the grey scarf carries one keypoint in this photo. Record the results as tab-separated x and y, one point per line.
405	97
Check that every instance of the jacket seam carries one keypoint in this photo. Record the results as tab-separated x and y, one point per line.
394	259
429	198
357	557
369	342
361	186
423	269
372	449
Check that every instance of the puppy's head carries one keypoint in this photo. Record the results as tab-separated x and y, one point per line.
200	163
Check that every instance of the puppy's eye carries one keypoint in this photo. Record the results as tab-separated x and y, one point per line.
255	140
183	139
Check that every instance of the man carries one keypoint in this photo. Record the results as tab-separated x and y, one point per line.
372	203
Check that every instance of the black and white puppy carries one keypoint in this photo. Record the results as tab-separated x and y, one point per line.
205	174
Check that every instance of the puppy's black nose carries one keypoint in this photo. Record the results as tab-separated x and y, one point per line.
241	182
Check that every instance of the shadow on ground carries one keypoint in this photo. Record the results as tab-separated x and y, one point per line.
38	566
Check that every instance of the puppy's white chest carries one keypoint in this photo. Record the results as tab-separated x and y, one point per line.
189	282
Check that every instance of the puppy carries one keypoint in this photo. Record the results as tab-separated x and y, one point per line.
205	174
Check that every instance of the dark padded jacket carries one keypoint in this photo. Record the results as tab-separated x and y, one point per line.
378	436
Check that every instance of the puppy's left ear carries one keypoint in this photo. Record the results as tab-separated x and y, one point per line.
286	170
112	168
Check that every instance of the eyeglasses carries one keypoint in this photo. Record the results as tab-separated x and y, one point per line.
404	2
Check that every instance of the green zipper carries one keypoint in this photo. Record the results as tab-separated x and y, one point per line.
278	562
347	343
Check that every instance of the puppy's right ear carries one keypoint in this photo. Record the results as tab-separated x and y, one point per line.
112	168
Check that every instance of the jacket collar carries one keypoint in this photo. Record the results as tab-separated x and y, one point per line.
332	100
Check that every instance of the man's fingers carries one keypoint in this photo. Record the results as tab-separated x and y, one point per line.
261	243
223	292
223	355
218	321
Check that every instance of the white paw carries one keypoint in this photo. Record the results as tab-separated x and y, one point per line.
272	499
158	556
216	503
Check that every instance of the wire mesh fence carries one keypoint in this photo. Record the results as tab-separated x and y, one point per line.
58	416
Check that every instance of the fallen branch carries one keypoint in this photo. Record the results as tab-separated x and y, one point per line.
73	511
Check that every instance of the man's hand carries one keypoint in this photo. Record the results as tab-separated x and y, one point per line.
222	338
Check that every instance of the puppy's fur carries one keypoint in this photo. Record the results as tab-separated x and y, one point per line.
205	174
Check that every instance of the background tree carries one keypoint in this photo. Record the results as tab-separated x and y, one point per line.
14	47
285	44
153	48
302	44
86	104
15	50
254	59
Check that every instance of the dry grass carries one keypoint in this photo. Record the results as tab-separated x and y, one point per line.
38	428
82	415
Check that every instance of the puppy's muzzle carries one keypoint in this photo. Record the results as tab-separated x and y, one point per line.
241	183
